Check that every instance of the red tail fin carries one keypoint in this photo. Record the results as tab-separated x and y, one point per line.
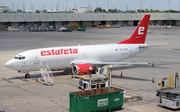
139	34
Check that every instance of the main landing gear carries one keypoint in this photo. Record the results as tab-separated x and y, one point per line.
27	75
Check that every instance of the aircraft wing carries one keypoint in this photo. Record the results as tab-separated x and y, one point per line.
113	63
159	45
119	63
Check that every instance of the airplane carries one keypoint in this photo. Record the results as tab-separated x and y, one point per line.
81	58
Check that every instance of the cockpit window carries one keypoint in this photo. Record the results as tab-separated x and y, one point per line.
15	57
20	57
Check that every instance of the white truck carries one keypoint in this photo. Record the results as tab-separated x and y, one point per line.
169	92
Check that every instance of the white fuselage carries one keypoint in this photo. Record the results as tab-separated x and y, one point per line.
62	57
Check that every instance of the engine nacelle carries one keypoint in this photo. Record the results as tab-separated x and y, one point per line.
82	69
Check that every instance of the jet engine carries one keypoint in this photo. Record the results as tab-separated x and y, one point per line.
82	69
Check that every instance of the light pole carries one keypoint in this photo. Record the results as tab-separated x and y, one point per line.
126	7
63	8
23	6
44	7
179	6
41	7
14	7
169	5
66	5
58	6
169	11
151	6
135	5
31	5
141	5
108	5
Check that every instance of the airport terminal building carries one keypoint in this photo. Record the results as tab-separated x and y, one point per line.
60	19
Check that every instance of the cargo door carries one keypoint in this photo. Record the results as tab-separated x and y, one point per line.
130	52
36	58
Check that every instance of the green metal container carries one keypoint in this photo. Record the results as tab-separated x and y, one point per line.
96	100
81	28
69	29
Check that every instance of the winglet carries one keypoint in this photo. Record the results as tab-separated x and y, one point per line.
139	34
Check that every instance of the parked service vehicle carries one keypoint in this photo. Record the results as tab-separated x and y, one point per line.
97	81
169	92
169	98
13	28
66	29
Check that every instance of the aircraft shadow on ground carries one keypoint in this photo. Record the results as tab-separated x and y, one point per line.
69	72
168	63
55	73
166	108
23	77
137	66
34	76
134	67
130	78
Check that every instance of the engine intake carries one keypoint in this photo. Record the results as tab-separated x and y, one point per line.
82	69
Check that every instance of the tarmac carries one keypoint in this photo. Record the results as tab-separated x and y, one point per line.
18	94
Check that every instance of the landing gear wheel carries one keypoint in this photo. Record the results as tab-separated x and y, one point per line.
27	76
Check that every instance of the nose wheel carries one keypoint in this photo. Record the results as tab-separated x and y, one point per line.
27	75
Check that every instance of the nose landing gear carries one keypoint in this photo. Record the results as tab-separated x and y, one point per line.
27	75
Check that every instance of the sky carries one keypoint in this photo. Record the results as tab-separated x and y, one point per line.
105	4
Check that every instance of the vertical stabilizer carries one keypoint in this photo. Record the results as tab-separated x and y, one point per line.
139	34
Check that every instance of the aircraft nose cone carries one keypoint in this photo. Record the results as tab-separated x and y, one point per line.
9	64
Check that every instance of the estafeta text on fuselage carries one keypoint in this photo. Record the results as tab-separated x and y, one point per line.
61	51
